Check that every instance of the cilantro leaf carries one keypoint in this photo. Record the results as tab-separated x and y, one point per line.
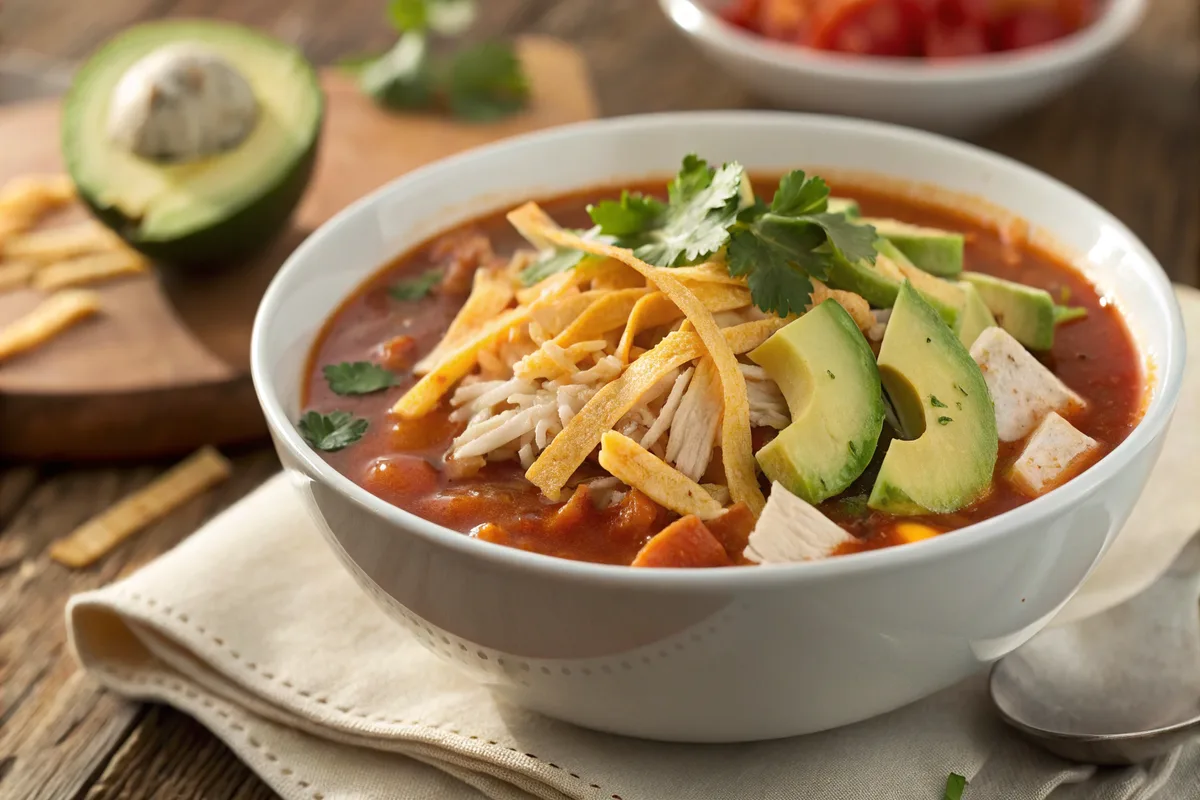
702	203
445	17
780	248
401	77
550	263
415	288
955	784
358	377
408	15
798	194
486	82
331	431
1068	313
629	216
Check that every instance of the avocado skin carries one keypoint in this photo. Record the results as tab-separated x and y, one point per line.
245	230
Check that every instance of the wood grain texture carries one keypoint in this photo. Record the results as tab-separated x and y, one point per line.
164	368
1129	137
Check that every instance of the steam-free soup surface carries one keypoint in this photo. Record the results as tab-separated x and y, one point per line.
400	461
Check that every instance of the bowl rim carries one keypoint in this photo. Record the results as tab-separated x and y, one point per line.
1116	21
1157	413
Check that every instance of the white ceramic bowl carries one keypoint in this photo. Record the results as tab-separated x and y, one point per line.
726	654
958	97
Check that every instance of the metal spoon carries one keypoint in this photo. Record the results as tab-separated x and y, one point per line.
1118	688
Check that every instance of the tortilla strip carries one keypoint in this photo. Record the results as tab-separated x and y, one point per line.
555	317
708	272
54	244
558	462
55	314
102	533
856	306
90	269
34	195
491	292
605	273
657	309
606	314
638	467
15	274
736	447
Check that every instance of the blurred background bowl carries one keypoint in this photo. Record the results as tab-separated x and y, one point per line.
959	96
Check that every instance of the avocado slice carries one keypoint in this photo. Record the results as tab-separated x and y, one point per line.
934	250
975	317
939	394
843	205
827	374
1024	311
211	205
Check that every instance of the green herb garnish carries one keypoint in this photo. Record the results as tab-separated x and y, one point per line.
559	259
781	248
415	288
933	401
358	377
1068	313
331	431
955	784
945	420
702	203
480	83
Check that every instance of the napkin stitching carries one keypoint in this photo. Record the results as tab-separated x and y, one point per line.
347	711
226	711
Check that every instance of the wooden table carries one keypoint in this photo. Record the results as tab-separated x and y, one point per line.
1129	138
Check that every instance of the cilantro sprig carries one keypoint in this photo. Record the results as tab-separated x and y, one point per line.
357	377
693	224
332	431
955	786
479	83
416	288
780	248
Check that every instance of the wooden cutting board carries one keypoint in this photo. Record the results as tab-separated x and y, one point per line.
165	367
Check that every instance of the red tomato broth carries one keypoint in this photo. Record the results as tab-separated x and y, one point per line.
400	461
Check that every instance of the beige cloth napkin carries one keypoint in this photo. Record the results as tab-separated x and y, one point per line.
252	627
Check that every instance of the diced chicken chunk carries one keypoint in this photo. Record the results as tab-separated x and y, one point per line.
1054	452
1023	390
790	529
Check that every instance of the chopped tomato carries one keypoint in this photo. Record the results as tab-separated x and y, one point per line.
396	353
1028	28
943	41
869	27
743	13
686	542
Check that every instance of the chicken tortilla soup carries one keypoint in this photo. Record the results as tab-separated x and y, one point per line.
726	372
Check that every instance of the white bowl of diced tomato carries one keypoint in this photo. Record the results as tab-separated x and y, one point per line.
954	66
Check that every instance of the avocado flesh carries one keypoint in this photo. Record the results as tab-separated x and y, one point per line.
844	206
937	391
936	251
216	207
1024	311
879	283
827	374
975	316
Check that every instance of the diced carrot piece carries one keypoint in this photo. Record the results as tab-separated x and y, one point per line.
914	531
732	530
686	542
636	514
396	353
574	513
491	532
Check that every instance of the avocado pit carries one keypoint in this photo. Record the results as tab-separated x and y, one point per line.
180	103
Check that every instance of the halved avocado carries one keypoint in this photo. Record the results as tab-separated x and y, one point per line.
939	394
213	208
827	374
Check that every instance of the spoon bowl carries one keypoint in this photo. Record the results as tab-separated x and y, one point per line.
1119	688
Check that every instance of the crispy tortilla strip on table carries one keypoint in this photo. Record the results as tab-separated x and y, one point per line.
100	534
54	315
657	309
736	447
34	195
54	244
15	274
491	292
662	483
90	269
